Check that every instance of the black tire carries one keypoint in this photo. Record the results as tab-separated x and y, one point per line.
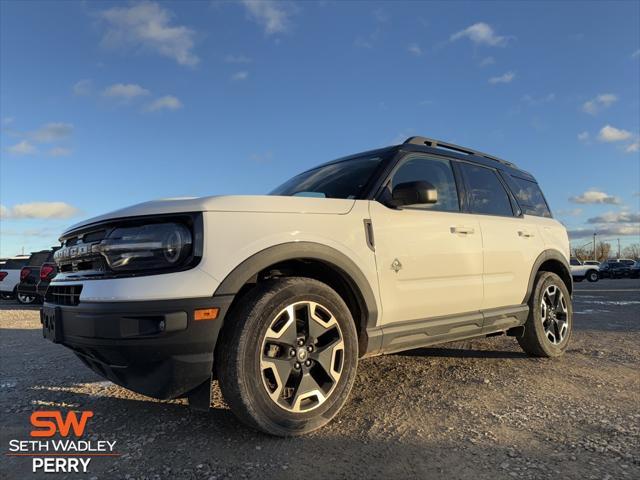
6	296
592	276
240	349
26	299
534	341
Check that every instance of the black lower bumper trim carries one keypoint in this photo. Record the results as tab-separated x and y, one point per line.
156	348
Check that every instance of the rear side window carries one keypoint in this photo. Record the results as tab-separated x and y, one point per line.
530	198
486	194
15	264
438	173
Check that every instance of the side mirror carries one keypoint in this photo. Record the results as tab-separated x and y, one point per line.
414	193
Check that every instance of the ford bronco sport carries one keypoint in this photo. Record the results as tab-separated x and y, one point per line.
279	296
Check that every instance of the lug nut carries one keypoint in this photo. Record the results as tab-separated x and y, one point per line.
310	348
308	363
301	342
292	352
297	366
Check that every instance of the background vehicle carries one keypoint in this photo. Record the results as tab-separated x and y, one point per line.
10	275
635	270
388	250
625	261
613	269
580	271
32	285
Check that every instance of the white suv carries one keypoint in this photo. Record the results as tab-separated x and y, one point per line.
278	296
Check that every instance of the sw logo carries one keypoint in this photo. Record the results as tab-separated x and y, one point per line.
51	422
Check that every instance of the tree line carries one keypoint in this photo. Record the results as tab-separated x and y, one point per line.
604	252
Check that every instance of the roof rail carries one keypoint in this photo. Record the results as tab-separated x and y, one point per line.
430	142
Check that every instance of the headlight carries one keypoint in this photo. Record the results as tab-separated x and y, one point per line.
146	247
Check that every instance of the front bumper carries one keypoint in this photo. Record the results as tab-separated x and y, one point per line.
156	348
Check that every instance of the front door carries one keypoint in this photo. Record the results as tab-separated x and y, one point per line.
429	257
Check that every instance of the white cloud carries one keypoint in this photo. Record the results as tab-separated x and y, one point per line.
60	152
148	26
606	230
44	210
481	34
583	136
571	212
485	62
533	100
6	121
600	102
271	15
52	132
636	54
239	76
414	49
616	217
595	197
612	134
168	102
22	148
125	91
505	78
83	87
237	59
633	147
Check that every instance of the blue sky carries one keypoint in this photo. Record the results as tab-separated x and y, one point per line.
106	104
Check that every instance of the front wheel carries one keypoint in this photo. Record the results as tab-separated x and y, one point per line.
592	276
287	356
549	326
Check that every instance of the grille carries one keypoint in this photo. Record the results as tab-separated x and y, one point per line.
63	294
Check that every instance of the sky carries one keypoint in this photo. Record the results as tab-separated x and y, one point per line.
108	104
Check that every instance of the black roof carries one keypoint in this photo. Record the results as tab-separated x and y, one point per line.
439	147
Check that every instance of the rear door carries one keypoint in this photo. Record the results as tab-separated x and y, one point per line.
511	243
429	257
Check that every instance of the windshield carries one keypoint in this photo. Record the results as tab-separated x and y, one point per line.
344	179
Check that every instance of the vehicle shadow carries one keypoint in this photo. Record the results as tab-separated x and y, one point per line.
451	352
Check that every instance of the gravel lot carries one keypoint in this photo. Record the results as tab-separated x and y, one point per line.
477	409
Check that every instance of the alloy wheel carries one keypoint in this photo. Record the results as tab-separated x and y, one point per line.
554	314
302	356
26	299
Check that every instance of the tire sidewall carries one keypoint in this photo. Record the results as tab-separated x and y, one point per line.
267	414
592	276
545	280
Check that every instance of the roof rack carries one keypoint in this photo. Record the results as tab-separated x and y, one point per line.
430	142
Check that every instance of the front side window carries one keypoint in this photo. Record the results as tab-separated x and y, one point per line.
438	173
530	198
343	179
486	192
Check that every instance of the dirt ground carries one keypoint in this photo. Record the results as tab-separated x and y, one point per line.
472	410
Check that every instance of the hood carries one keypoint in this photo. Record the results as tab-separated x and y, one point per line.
229	203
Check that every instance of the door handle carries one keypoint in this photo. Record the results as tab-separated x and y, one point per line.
525	234
462	229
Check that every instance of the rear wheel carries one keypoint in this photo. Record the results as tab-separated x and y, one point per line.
592	276
287	358
549	325
25	299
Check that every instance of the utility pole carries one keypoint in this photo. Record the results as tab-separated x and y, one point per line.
594	247
618	248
